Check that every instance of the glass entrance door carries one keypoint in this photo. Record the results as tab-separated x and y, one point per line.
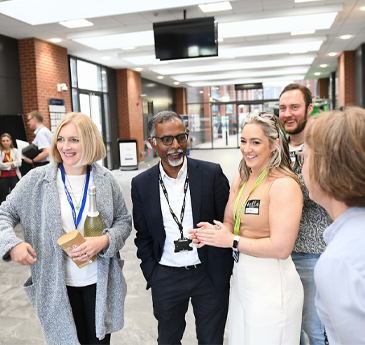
91	105
243	110
224	126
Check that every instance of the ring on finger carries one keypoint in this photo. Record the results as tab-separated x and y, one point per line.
87	255
217	227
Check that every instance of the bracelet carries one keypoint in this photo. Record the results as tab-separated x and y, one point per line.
33	161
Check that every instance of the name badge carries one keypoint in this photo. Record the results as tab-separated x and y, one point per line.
182	245
252	207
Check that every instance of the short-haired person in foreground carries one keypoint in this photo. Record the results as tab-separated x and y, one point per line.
168	200
74	305
334	161
261	222
295	107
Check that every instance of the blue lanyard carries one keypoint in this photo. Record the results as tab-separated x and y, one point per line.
69	199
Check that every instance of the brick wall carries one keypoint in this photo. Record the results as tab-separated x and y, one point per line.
323	85
180	93
130	114
346	78
43	65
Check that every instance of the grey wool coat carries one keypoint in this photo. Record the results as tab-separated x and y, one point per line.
34	203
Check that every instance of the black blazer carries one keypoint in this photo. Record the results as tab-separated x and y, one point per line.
209	191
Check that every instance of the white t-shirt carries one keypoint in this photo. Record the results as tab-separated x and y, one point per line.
293	149
75	276
43	139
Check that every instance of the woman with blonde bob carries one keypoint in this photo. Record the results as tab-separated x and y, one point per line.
74	305
333	170
261	223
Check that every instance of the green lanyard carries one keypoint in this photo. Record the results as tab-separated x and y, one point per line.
237	221
10	159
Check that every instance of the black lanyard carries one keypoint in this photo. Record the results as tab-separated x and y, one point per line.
179	223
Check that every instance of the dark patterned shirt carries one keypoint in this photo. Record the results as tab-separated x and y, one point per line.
314	221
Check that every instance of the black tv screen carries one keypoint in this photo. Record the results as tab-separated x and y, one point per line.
187	38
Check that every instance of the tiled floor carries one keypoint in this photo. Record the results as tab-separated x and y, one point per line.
18	322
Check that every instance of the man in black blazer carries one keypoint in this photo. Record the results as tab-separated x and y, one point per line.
170	199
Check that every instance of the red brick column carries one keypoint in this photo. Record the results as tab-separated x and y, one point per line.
180	94
130	114
346	78
323	84
43	65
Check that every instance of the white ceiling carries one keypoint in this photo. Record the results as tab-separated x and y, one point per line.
258	51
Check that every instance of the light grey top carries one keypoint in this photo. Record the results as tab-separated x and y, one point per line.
340	279
34	203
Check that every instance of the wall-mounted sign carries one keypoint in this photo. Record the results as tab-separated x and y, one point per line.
54	101
128	154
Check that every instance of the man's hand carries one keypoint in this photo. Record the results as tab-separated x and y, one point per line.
27	160
23	253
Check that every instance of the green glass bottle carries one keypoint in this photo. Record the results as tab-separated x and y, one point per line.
93	224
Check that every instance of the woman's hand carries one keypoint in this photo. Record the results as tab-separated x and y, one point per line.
216	235
91	247
23	253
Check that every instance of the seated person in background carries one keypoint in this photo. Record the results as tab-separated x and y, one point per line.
334	161
261	223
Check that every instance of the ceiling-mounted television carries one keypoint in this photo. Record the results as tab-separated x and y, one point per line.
187	38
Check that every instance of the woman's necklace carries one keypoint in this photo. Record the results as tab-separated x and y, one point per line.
78	204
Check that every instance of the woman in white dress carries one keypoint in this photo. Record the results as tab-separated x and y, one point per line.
261	223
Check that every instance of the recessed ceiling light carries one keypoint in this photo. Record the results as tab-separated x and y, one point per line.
139	69
103	72
323	65
128	48
277	25
176	83
345	37
220	39
55	40
308	60
201	91
302	32
332	54
317	73
160	77
106	58
362	8
78	23
289	78
242	74
218	6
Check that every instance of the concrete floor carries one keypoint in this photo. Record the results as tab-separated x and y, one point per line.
18	322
